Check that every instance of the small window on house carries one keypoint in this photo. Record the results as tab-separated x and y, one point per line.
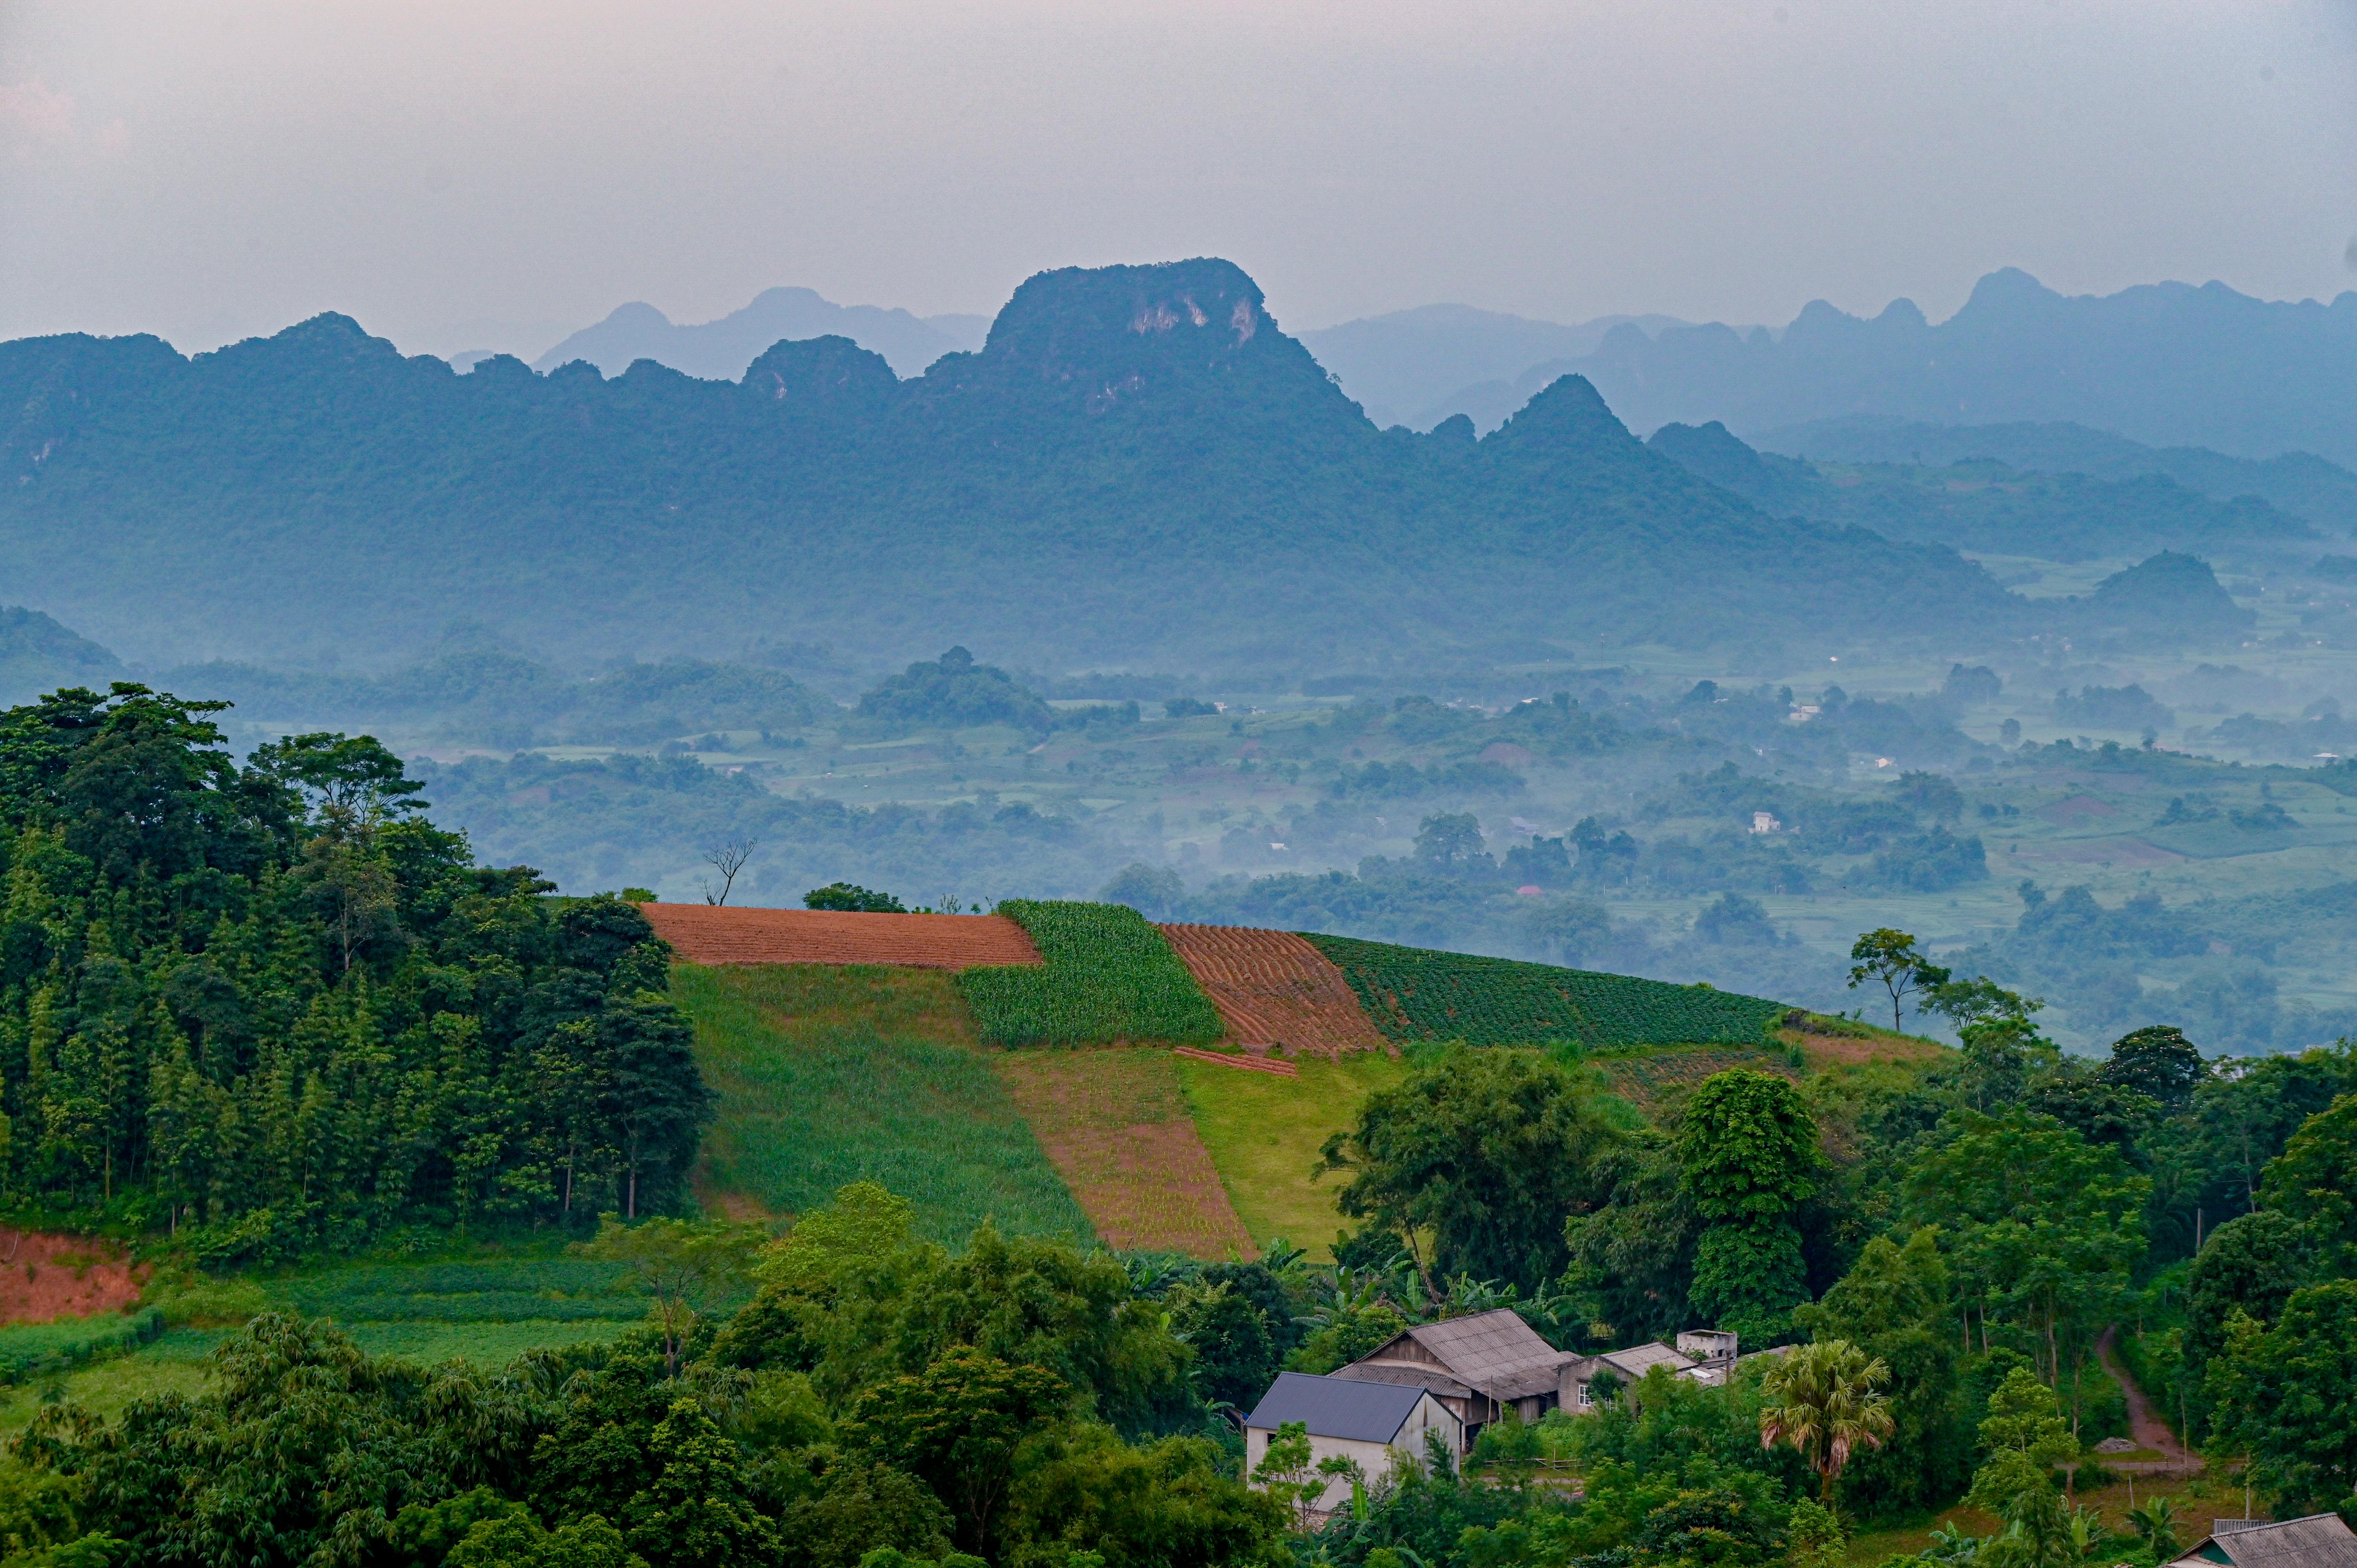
1586	1397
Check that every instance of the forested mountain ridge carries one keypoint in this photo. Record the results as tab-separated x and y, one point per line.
1138	461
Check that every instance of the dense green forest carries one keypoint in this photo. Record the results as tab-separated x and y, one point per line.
1261	514
270	1008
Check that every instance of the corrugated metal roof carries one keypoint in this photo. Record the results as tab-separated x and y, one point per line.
1417	1372
1336	1407
1635	1361
1494	1351
2319	1541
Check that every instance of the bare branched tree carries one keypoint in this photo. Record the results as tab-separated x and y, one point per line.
726	857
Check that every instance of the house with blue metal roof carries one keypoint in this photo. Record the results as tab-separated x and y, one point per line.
1368	1423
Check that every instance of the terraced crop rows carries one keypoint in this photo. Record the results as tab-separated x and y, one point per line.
1273	988
1415	994
1108	976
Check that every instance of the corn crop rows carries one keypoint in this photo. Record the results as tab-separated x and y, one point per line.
1416	995
1108	976
37	1349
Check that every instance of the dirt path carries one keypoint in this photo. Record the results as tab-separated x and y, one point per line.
2145	1423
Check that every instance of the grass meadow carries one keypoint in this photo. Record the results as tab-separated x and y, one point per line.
828	1076
1264	1133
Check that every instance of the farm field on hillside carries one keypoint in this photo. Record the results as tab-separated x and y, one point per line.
1646	1078
1264	1133
1115	1123
1415	994
830	1076
173	1364
1273	988
1109	976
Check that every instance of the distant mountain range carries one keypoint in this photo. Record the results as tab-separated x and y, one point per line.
2167	365
1978	503
2299	483
1138	469
1417	367
719	350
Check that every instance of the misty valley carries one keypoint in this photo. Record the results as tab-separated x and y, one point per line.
1086	958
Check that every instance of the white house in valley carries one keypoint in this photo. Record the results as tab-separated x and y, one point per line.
1345	1418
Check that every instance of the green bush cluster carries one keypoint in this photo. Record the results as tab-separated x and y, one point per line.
1108	976
34	1350
1416	995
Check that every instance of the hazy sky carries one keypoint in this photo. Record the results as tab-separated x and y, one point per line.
494	173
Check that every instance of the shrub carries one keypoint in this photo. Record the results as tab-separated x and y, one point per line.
855	899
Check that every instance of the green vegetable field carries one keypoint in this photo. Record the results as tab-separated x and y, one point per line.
37	1349
1413	993
828	1076
1108	976
521	1290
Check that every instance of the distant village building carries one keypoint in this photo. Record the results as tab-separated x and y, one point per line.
2319	1541
1367	1422
1475	1365
1482	1365
1455	1378
1703	1355
1765	822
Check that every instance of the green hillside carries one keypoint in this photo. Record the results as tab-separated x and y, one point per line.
1416	995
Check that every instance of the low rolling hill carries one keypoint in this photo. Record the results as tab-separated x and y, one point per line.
865	1046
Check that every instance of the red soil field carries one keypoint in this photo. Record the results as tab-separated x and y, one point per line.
1273	988
702	933
1114	1124
44	1277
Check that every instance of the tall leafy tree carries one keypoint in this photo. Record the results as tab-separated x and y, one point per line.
274	1008
1893	960
2047	1225
2314	1181
1896	1305
1748	1160
2284	1394
1488	1152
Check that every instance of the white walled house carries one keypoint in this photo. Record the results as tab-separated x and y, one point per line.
1366	1421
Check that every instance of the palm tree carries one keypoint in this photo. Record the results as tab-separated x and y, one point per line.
1821	1401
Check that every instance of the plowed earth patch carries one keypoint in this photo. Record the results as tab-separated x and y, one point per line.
44	1277
1114	1123
704	934
1272	988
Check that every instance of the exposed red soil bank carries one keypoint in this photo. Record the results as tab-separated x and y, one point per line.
44	1277
702	933
1273	988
